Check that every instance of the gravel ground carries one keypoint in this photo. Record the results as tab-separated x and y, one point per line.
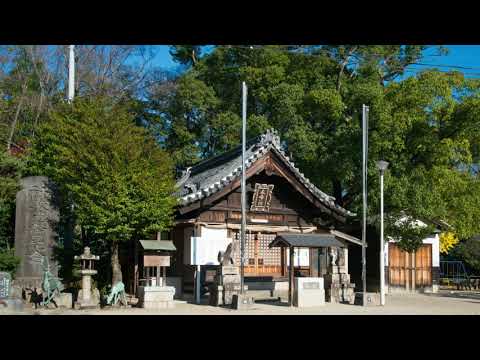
443	303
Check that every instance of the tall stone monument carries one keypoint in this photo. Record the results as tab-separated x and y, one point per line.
36	222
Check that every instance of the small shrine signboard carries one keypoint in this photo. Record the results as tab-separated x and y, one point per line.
262	197
156	260
5	284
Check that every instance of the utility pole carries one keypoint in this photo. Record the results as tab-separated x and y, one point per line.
243	198
71	73
364	189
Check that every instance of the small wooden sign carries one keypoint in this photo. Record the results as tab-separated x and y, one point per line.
210	275
262	197
156	260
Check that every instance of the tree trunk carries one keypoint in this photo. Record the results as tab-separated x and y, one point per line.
14	123
116	269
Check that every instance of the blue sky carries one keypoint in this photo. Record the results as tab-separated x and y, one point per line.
459	55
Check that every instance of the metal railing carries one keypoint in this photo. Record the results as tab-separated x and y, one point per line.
454	273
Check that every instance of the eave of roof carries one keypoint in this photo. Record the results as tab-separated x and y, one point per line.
306	240
265	143
166	245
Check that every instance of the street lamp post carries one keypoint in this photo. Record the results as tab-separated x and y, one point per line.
382	166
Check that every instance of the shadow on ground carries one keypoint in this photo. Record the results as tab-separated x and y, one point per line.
471	295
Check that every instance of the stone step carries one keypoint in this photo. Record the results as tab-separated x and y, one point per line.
261	294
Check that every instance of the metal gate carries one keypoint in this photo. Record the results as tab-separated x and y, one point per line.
409	270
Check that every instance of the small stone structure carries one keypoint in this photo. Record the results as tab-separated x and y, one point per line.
309	292
36	220
155	294
225	286
338	287
87	299
156	297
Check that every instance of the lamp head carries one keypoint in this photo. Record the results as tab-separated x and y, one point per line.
382	165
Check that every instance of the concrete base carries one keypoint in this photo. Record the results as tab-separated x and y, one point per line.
92	303
308	292
176	282
223	295
11	305
86	305
156	297
64	300
242	302
372	299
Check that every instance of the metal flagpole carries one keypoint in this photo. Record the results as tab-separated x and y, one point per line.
71	73
243	199
382	166
382	245
364	187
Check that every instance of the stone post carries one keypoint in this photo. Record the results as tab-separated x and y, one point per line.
87	287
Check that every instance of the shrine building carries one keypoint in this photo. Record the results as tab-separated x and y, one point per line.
280	199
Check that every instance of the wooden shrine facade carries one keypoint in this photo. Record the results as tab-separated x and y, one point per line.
279	199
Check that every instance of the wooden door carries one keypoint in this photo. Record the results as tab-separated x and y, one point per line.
398	263
260	260
410	270
423	266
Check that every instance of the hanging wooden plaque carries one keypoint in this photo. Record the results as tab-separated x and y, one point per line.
262	197
156	260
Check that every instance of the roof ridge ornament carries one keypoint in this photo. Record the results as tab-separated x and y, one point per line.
270	137
184	178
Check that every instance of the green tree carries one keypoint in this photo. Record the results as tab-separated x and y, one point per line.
426	126
468	251
113	172
186	54
10	170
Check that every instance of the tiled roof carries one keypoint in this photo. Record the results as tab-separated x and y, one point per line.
210	176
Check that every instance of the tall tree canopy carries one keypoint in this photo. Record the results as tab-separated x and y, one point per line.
112	171
425	126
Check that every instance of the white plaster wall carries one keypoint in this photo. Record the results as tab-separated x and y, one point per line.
301	257
203	250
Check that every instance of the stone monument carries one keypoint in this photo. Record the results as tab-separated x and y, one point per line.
338	288
36	220
86	298
227	282
308	292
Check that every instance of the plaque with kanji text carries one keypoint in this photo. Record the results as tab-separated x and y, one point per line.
262	197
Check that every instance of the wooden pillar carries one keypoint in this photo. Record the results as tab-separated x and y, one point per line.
413	271
291	282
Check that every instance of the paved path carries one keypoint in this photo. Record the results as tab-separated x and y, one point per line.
443	303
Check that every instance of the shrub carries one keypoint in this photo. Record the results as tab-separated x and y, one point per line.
8	261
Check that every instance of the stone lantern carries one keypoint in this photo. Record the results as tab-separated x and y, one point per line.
85	297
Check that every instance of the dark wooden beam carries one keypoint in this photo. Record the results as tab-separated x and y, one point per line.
291	275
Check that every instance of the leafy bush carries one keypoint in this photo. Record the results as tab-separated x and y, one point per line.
8	261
